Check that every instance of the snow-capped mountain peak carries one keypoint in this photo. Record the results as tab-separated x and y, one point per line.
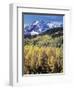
35	22
54	24
38	27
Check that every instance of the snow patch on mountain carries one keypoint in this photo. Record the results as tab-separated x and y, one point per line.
35	22
54	24
34	33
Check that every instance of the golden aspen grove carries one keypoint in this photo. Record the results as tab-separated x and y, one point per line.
43	54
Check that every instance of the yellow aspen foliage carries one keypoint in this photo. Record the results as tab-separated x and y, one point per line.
42	59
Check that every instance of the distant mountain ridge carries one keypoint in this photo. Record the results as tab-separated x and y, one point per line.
41	27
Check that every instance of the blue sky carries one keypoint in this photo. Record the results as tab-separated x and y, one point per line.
29	18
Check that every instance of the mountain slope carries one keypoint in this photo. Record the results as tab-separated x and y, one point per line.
40	27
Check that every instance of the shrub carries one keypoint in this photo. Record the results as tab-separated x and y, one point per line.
45	40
